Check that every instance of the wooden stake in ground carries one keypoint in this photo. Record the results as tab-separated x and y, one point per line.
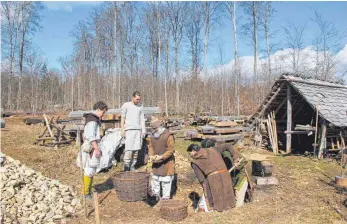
82	172
96	207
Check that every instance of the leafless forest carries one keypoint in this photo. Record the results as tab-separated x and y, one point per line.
162	50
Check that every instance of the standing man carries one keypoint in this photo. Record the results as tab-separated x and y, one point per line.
232	157
214	177
90	151
133	130
161	151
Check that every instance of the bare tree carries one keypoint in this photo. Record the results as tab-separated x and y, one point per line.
176	12
231	6
193	28
268	12
250	29
34	62
9	40
29	23
327	41
211	17
294	41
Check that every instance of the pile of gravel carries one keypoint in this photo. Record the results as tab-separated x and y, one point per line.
29	197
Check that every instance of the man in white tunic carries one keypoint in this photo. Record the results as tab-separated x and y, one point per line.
133	130
90	151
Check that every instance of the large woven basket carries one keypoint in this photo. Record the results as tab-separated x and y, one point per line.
131	186
173	210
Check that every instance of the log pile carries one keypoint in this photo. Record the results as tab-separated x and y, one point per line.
174	124
221	131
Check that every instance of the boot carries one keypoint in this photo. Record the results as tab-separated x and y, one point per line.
132	167
87	186
126	168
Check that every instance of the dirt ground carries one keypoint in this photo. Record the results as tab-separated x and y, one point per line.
305	193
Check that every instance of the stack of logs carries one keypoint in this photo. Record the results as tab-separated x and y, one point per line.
221	131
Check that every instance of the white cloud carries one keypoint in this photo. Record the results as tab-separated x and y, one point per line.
342	57
69	6
281	61
56	6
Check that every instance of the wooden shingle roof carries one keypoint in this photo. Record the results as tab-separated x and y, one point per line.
333	97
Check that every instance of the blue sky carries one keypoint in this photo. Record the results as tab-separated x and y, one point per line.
59	18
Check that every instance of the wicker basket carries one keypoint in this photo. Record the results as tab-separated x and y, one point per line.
131	186
172	210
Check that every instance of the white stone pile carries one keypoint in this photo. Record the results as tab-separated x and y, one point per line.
29	197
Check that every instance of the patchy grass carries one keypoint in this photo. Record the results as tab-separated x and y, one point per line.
305	193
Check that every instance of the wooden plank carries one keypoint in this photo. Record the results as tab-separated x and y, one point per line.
269	133
296	132
289	120
207	129
45	138
224	137
275	132
48	126
228	130
322	143
225	124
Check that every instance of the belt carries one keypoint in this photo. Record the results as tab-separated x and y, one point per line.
218	171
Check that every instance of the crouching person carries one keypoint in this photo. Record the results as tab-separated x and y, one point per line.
90	152
161	151
232	157
214	177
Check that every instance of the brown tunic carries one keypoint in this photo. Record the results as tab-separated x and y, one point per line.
231	156
163	146
217	186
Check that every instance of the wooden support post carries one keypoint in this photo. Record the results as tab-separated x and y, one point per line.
48	126
96	207
275	130
316	133
332	143
289	120
323	140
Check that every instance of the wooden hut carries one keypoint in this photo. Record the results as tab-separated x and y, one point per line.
306	111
